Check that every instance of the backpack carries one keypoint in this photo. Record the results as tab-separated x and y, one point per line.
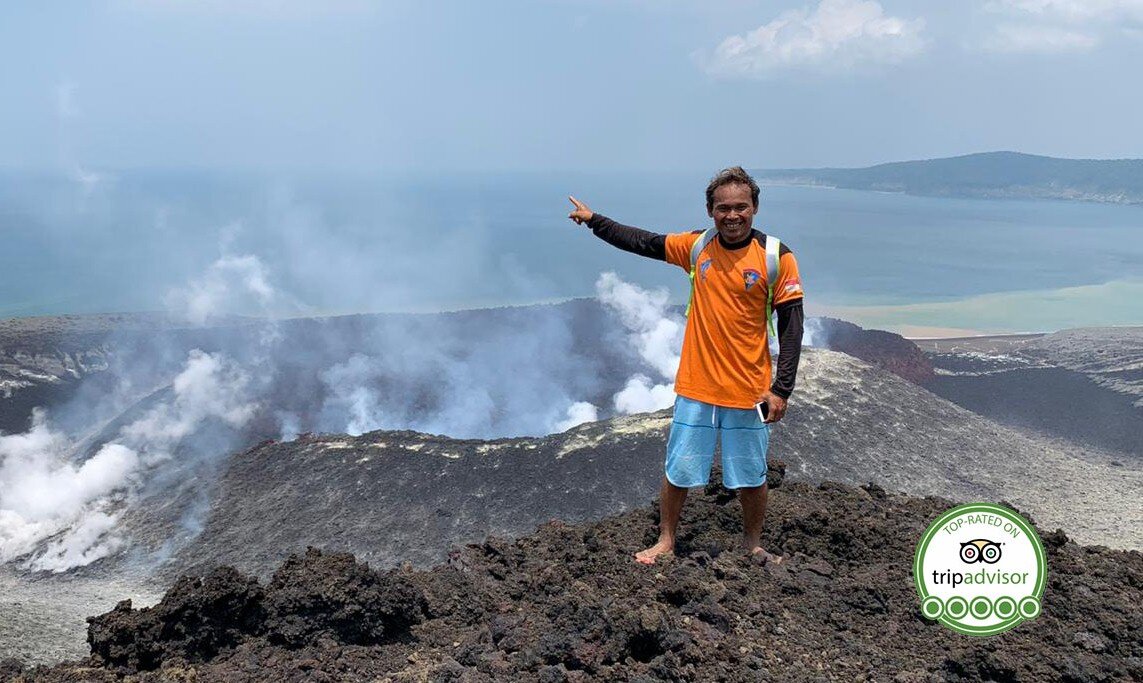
773	254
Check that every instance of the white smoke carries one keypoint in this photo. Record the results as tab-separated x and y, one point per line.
577	414
657	335
813	334
90	539
514	375
210	386
61	514
231	285
67	112
290	425
640	395
351	394
44	496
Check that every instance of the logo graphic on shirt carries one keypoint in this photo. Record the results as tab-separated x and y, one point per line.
793	287
750	277
702	269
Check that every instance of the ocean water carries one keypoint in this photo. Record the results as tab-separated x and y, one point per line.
326	244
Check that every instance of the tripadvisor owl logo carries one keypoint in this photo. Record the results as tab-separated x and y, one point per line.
980	569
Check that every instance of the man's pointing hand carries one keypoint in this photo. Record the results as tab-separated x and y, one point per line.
582	214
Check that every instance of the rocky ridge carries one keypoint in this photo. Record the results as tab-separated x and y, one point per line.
886	350
1110	356
395	497
1084	386
567	603
412	495
44	361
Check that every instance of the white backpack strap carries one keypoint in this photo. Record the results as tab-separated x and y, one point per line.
696	249
773	256
700	244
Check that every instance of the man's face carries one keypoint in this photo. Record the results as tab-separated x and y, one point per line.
733	211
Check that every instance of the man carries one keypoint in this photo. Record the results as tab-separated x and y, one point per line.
724	371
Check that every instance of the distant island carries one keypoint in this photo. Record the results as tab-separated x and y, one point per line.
989	175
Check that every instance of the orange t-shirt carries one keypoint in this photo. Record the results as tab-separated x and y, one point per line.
726	358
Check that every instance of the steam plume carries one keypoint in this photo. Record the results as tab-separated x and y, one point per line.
59	514
45	496
657	335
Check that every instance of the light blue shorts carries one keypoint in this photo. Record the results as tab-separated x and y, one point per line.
694	431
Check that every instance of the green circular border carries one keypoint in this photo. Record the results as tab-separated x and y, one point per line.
933	600
1005	599
980	600
1010	515
1024	601
955	604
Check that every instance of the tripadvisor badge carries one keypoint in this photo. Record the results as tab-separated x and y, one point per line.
980	569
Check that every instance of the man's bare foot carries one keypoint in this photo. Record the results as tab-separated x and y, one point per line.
651	554
762	557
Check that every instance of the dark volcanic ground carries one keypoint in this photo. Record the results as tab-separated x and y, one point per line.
1085	386
393	497
568	603
1051	401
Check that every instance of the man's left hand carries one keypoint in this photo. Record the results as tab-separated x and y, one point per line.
776	407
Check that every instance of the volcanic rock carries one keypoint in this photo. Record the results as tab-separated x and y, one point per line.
569	603
413	495
196	619
886	350
1084	385
311	598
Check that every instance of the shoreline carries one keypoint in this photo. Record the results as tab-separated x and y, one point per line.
979	336
158	321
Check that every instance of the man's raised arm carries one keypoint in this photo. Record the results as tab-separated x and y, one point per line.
627	238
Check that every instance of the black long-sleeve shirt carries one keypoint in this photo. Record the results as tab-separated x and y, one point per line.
790	314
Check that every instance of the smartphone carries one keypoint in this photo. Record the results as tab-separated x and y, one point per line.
763	409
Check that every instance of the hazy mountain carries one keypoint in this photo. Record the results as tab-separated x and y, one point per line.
988	175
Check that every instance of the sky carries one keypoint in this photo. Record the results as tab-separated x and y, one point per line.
404	85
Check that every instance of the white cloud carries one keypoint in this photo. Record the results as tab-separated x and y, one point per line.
67	111
1037	38
65	101
837	35
1047	26
1075	11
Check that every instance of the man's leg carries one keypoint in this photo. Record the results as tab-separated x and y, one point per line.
745	441
671	499
753	516
690	452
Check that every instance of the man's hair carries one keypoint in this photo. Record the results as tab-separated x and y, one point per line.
735	175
